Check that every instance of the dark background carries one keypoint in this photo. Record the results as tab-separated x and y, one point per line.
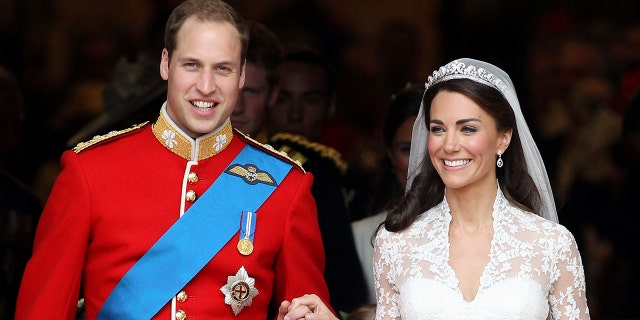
64	54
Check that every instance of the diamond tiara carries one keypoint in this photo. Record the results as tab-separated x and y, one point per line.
458	70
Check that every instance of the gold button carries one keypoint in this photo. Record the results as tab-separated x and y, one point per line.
191	196
181	315
181	296
192	177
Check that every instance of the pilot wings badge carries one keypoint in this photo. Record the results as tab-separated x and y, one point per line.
251	174
239	290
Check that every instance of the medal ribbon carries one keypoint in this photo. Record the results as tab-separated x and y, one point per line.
248	225
195	239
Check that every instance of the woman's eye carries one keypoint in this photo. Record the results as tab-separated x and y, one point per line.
469	129
436	129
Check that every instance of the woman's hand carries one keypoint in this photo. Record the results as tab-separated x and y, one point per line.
308	307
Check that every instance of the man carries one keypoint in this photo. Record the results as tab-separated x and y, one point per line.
260	90
183	218
307	97
305	101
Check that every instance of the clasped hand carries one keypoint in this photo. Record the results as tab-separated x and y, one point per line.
308	307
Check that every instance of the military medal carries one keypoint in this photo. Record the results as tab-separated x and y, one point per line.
247	229
245	246
239	290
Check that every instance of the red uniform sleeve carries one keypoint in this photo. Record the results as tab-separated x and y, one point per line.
51	281
299	268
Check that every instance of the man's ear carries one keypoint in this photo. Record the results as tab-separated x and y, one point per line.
242	74
164	64
273	96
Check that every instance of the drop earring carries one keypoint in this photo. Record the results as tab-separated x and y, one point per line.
499	163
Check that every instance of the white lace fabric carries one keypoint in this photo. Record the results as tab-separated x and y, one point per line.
534	272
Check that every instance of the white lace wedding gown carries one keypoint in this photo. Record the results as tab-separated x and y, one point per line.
535	270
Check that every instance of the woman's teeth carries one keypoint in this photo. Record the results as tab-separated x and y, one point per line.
455	163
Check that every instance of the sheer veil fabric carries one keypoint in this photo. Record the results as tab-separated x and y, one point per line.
495	77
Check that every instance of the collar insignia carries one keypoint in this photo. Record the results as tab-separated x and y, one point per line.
251	174
239	290
178	142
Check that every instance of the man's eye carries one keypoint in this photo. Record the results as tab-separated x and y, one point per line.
283	101
313	99
250	91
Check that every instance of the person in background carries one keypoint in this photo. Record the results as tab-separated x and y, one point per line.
134	221
307	96
401	115
306	100
260	90
476	235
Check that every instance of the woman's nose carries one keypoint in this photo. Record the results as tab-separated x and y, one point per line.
451	143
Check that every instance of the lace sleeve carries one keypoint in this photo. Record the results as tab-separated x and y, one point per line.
568	292
387	295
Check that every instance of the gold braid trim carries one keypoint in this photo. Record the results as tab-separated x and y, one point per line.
100	138
323	150
270	149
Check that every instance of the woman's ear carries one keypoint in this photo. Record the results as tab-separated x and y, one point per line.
505	140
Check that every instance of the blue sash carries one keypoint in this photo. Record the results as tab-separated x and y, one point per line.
193	240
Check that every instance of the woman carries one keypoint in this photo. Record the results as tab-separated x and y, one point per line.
476	234
396	134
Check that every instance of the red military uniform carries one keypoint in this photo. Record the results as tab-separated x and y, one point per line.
115	198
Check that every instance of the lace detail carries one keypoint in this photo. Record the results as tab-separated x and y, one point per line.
534	272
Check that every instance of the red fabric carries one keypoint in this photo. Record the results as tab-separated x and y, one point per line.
629	85
110	204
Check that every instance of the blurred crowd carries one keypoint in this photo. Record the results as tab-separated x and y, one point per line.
576	67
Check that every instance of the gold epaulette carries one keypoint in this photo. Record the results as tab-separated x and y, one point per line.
323	150
104	137
270	149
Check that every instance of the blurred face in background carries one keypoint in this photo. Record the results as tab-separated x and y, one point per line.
304	101
400	148
256	95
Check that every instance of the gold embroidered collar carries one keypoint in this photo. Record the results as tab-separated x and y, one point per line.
174	139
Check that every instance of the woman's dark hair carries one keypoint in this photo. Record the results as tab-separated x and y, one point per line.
404	104
427	189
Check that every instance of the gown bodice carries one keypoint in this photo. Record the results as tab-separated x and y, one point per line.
534	270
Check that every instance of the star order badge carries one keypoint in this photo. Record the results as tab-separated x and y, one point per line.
239	290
